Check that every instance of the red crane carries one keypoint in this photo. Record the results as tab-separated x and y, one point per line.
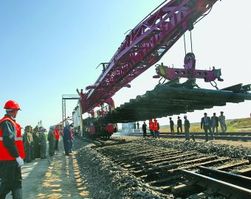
143	47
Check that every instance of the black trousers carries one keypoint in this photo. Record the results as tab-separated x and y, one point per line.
10	179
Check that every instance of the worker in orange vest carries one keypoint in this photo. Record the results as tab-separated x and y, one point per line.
109	130
156	128
11	152
151	127
57	136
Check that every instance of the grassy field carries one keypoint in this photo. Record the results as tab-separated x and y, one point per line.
235	125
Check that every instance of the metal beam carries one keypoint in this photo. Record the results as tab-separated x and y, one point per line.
218	186
64	98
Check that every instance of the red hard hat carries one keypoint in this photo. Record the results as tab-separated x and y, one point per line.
11	104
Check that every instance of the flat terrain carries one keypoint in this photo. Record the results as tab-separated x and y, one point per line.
234	125
53	178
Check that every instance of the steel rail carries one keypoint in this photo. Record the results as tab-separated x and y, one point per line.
239	180
227	189
225	136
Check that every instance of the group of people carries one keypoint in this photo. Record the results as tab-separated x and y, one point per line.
15	148
35	144
153	128
180	127
35	141
208	124
211	124
54	135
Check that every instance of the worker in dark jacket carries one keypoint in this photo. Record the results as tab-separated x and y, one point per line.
171	125
179	125
42	142
36	146
67	138
144	129
28	142
11	152
52	140
71	138
214	123
186	128
206	125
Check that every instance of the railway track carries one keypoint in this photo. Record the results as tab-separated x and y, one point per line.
218	136
182	172
227	184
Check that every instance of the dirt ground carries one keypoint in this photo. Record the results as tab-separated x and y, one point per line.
61	177
53	178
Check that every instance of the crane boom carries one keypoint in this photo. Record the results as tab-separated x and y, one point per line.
144	46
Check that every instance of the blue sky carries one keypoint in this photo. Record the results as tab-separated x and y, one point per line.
49	48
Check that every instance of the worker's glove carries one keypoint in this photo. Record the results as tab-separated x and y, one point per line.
20	161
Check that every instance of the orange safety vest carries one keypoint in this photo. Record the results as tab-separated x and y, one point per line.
155	126
109	128
4	153
56	134
151	125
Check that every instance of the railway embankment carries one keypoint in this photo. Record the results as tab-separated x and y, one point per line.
134	167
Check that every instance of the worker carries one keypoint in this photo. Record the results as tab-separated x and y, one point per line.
171	125
36	147
52	140
206	125
222	121
151	128
156	128
42	142
57	136
179	125
109	129
30	135
144	129
214	123
11	152
28	142
72	137
67	138
186	127
137	125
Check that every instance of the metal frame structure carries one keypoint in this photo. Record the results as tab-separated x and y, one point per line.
64	98
144	46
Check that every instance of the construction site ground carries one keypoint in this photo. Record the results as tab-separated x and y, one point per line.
82	175
56	177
